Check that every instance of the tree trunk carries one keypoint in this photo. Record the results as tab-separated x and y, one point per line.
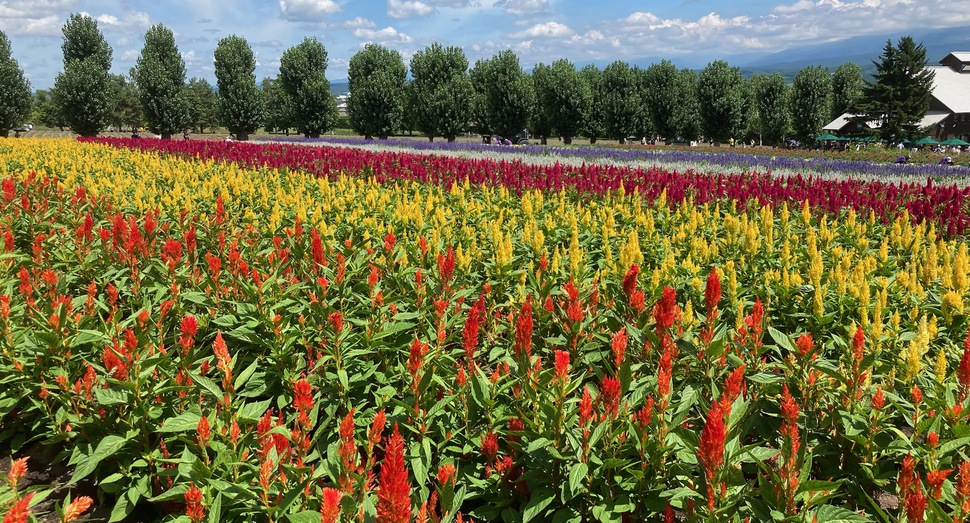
314	135
368	137
568	140
383	137
451	139
166	136
242	137
592	141
4	134
543	141
431	138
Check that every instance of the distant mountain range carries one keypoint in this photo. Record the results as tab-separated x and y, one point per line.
857	49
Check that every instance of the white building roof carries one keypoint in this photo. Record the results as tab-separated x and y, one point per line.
952	88
932	118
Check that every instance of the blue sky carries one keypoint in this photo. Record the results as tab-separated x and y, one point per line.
537	30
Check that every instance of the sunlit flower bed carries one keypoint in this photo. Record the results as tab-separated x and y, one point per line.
222	342
876	163
944	205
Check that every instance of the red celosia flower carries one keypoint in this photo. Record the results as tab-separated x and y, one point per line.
732	389
523	330
303	396
446	266
916	394
562	365
389	241
907	476
630	280
665	311
668	513
610	395
878	399
189	328
376	428
393	489
858	344
490	446
915	503
933	439
712	294
316	248
935	479
963	487
76	507
203	432
461	378
348	446
330	506
17	470
469	334
516	425
446	474
337	320
619	346
19	511
415	355
585	407
224	360
711	450
193	504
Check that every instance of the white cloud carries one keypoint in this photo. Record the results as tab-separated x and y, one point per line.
408	8
545	30
43	26
521	7
128	23
307	10
358	22
388	35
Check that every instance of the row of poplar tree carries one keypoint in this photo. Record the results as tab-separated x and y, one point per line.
442	97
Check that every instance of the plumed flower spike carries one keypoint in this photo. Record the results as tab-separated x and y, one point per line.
330	505
76	507
711	450
17	470
393	489
665	312
712	292
193	504
20	511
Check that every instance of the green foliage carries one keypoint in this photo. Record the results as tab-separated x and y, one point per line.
377	77
240	101
160	75
771	100
847	86
723	101
811	101
688	110
621	100
15	96
277	108
440	94
45	113
303	78
565	98
540	123
81	93
899	96
125	103
504	93
203	105
593	127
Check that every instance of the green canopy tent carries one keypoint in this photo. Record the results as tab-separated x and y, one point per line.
826	137
927	141
954	141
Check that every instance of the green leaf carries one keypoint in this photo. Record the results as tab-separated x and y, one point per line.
106	447
949	446
215	511
253	411
121	509
183	422
306	516
782	340
834	514
577	473
537	503
111	397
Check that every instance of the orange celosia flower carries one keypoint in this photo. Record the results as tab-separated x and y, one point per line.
393	488
20	510
77	507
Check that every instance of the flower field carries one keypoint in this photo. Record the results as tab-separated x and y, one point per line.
236	332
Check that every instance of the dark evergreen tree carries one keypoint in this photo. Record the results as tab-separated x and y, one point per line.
899	95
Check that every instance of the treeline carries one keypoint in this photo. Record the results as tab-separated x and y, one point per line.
443	97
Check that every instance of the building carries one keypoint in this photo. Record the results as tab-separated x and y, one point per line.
949	112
